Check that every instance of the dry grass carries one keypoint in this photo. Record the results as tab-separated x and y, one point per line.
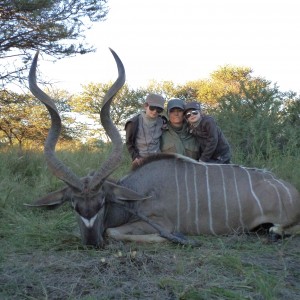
233	267
41	256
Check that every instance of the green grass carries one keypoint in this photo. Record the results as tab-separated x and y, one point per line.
41	256
284	166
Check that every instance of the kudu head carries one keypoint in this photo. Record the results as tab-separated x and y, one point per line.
88	194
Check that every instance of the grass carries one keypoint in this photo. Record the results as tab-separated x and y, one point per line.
41	256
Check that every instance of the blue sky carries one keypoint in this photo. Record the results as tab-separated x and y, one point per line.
187	40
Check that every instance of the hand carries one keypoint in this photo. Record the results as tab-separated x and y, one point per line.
137	162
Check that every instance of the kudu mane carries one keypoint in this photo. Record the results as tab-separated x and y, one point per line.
169	156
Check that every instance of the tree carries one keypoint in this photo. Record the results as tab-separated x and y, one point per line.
258	119
24	119
291	110
126	103
227	79
165	88
290	118
19	117
55	27
168	89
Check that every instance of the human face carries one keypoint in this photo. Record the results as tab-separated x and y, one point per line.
192	116
176	117
152	111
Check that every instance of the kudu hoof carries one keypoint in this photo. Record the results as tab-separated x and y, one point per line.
274	237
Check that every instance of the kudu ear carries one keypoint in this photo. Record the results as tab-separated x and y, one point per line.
52	200
122	192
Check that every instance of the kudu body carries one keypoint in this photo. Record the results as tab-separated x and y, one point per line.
167	194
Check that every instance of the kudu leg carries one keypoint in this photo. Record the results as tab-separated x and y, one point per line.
175	238
126	233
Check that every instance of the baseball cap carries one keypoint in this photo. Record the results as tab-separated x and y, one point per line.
155	100
175	103
192	105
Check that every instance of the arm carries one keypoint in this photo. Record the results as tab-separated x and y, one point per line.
211	142
131	128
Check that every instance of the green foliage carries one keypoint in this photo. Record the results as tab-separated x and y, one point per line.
21	118
25	121
227	79
257	123
165	88
260	122
54	27
127	102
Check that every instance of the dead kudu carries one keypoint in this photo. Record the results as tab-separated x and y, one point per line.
167	194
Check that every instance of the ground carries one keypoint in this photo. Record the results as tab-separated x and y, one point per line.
231	267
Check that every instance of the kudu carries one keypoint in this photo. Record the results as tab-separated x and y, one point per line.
167	194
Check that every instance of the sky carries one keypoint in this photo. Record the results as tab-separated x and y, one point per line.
187	40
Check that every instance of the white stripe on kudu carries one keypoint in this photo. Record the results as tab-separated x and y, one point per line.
278	196
209	201
178	195
224	197
253	193
238	197
285	187
187	188
196	200
274	186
